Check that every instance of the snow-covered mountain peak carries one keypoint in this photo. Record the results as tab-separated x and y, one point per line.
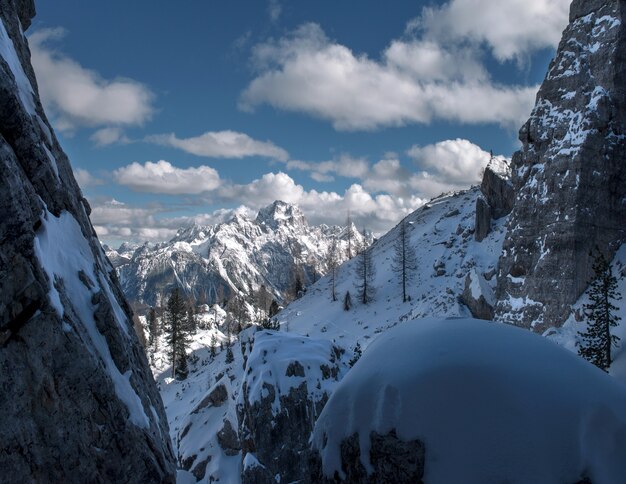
281	213
213	262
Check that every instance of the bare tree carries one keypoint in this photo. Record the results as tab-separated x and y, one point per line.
332	262
365	272
349	234
404	260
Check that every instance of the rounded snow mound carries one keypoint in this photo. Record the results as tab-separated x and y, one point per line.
490	402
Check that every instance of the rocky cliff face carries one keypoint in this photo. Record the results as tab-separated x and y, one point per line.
570	175
78	402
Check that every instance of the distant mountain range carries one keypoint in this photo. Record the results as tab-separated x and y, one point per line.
213	263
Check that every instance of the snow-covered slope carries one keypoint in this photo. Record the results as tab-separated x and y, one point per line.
452	266
234	257
487	402
442	233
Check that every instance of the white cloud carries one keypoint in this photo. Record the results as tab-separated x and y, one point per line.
442	167
416	81
387	190
222	144
456	161
81	97
345	166
86	179
109	136
512	29
163	177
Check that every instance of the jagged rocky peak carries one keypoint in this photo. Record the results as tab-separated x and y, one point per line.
79	400
280	213
497	195
570	175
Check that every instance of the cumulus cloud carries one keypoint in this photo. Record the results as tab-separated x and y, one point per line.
415	81
385	191
221	144
458	160
163	177
345	166
77	96
109	136
512	29
115	221
442	167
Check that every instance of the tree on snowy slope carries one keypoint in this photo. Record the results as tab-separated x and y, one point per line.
191	325
153	329
349	235
365	272
263	300
404	259
177	333
332	262
600	312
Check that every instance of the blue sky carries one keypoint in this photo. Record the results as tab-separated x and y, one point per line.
173	114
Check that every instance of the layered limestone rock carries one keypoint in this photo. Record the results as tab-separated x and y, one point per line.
288	380
570	175
78	401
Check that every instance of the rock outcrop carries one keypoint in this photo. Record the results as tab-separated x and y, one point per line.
78	401
478	296
288	380
570	175
391	460
497	196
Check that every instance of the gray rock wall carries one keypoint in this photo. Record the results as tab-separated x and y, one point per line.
77	399
570	175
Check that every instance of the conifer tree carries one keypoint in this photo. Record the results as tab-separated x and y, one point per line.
404	260
365	272
229	355
213	345
597	340
177	337
153	328
190	323
274	308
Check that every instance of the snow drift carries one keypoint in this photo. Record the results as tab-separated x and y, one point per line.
490	402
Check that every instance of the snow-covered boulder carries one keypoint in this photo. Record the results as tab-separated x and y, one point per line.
476	402
288	379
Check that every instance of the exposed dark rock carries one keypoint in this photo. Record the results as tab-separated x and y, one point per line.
474	298
77	399
392	460
483	219
497	188
570	175
295	369
215	398
228	439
